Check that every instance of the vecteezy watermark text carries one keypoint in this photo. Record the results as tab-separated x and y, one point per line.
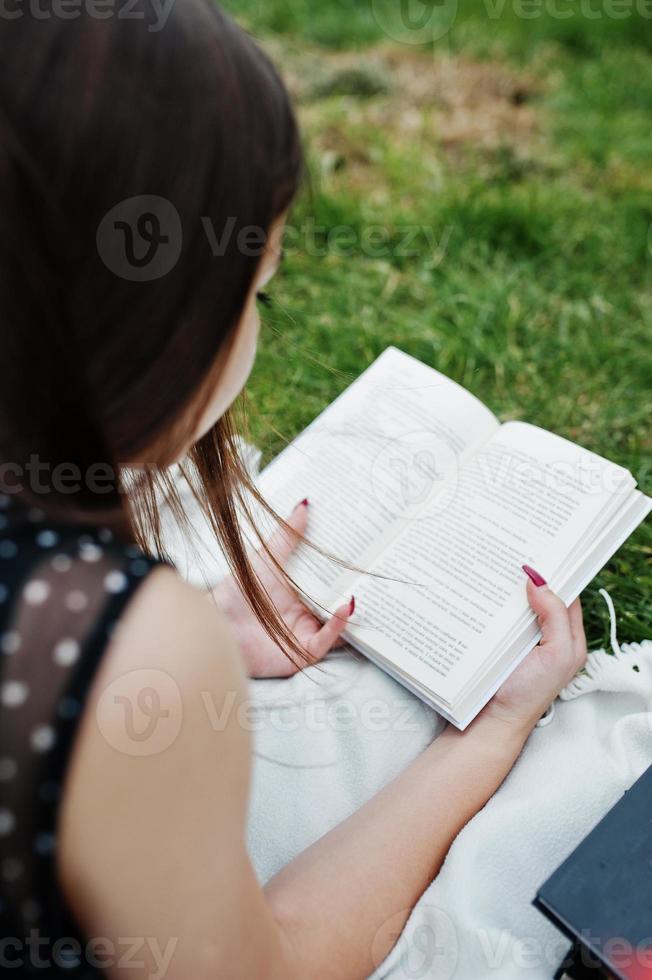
419	22
568	9
154	17
43	478
374	241
141	239
38	952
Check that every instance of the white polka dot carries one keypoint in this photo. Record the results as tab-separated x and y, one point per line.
4	500
76	601
61	563
8	549
138	567
90	552
12	869
43	738
36	592
13	694
115	582
8	769
31	910
4	593
66	652
47	539
10	642
105	535
7	822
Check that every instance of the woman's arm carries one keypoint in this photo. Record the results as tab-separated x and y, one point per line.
342	903
154	846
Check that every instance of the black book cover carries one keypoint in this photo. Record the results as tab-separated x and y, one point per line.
601	896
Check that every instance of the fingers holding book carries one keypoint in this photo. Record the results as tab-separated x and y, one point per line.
550	666
327	637
284	541
577	630
562	628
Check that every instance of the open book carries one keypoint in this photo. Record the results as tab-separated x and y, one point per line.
436	505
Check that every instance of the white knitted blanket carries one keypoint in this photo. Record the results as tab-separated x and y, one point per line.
325	742
327	739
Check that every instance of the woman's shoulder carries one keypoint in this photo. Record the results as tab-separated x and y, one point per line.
176	629
171	662
160	728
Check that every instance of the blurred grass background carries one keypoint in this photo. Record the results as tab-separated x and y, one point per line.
519	148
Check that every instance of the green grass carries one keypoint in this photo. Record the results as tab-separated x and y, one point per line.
539	299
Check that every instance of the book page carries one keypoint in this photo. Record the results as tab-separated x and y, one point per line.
378	453
453	587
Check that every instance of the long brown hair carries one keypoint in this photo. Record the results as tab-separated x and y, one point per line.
110	127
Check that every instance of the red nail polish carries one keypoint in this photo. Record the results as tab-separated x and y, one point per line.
352	605
304	502
532	574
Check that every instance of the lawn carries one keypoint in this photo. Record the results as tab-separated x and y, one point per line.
517	152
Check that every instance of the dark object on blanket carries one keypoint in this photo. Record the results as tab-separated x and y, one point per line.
601	896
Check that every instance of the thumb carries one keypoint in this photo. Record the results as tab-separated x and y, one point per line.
551	613
326	638
284	541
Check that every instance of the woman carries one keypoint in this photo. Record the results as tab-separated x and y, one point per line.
119	356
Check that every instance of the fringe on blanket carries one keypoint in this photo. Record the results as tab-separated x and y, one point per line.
600	665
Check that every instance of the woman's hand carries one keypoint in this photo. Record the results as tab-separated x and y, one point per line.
552	664
263	657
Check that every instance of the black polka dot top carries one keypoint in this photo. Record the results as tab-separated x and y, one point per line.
62	590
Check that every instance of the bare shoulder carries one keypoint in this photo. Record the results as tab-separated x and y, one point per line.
172	625
171	662
161	760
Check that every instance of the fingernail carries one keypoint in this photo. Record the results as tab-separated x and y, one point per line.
304	502
532	574
352	605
